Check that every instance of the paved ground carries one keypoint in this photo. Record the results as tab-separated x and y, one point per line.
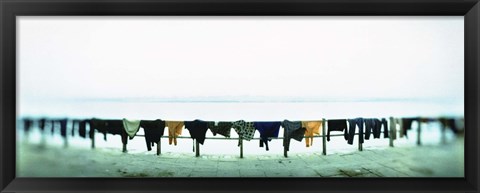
422	161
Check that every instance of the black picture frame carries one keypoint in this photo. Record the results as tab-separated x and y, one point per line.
9	9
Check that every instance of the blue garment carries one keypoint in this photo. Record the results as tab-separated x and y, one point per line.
198	129
369	127
351	131
41	124
377	128
267	129
63	127
385	128
27	124
82	128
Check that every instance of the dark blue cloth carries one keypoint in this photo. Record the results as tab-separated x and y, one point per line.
74	127
369	127
41	124
27	124
198	129
82	128
385	128
377	128
63	127
266	130
351	131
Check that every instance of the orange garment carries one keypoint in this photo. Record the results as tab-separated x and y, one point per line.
312	128
174	130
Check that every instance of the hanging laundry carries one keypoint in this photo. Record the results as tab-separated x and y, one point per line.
53	123
222	128
27	124
351	131
131	127
41	124
82	130
312	128
385	128
337	125
74	127
267	130
406	125
153	131
369	127
245	130
100	126
450	123
63	127
114	127
377	128
292	130
198	129
174	130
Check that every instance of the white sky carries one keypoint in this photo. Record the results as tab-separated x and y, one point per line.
316	56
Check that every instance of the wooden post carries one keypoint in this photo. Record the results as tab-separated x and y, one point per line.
197	151
241	147
65	139
392	130
401	128
324	139
93	138
360	146
159	150
124	149
419	132
443	134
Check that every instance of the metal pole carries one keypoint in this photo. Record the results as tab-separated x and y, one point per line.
124	148
392	130
93	138
419	132
324	139
443	134
159	149
197	151
360	146
241	147
65	139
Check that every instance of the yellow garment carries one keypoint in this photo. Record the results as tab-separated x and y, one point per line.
312	128
174	130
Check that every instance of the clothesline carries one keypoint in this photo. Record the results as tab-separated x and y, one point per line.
120	127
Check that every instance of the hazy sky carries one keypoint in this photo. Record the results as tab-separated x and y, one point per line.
322	57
